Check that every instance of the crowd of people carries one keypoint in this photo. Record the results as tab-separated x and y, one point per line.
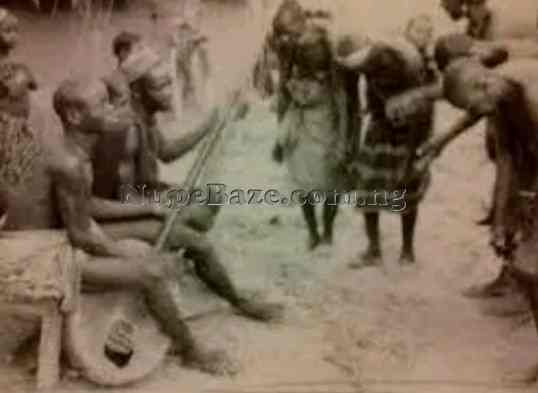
353	113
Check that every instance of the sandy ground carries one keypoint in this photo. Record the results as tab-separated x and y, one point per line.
387	329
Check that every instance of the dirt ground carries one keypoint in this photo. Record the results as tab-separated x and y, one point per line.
389	329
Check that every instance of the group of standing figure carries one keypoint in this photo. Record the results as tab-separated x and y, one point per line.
331	141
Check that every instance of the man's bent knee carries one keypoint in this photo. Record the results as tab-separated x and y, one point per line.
201	218
156	274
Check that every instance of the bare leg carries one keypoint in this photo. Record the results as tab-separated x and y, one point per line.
154	278
372	256
409	220
490	143
206	261
309	213
330	210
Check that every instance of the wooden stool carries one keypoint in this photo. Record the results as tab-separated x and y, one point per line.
40	275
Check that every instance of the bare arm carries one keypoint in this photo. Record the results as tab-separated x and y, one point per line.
72	191
439	143
131	207
172	149
506	187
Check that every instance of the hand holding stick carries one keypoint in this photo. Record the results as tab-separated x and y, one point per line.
235	110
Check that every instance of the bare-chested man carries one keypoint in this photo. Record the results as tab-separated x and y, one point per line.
57	194
508	97
132	161
498	20
448	49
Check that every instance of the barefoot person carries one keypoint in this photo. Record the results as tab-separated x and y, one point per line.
385	161
508	97
56	193
312	139
448	49
495	21
129	161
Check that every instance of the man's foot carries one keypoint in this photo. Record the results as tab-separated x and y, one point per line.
496	288
486	221
313	242
327	239
260	311
210	362
372	257
508	307
526	376
407	258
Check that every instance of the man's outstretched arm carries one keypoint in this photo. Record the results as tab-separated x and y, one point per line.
173	149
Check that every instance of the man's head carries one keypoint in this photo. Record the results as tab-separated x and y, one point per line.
83	106
313	49
288	24
419	31
472	87
9	30
454	8
451	47
151	80
16	83
123	44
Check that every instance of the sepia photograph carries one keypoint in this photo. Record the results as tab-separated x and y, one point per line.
268	196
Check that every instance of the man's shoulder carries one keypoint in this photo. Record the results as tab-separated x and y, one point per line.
64	165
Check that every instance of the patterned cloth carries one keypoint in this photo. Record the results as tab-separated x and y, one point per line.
385	162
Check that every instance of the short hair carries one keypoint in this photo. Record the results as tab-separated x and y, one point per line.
124	40
458	72
73	93
451	47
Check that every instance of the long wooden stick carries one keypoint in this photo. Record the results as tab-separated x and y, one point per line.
194	173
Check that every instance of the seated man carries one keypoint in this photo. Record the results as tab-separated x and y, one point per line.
131	160
59	183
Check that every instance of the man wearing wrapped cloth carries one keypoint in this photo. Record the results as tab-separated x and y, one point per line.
311	141
384	166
